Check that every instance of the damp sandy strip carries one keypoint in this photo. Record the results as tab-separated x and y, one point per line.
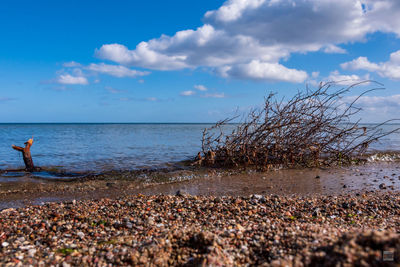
370	177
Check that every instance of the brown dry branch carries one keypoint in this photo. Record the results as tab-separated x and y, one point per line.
312	128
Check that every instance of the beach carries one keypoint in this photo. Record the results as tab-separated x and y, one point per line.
200	133
162	211
206	217
205	231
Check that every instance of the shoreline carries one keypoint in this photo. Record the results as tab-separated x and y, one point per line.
355	179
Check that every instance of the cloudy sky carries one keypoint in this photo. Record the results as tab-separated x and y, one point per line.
190	61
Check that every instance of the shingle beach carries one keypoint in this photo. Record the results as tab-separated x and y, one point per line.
180	230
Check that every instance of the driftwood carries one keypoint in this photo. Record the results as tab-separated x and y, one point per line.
26	154
313	128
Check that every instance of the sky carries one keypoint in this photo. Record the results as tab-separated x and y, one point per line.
190	61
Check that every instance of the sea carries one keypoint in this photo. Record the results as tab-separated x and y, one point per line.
81	147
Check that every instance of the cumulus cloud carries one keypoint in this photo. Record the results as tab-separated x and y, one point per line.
69	79
389	69
187	93
360	63
309	24
115	70
246	35
76	73
200	87
333	49
342	79
377	108
376	102
258	70
143	56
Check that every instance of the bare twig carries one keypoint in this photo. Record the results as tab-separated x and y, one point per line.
312	128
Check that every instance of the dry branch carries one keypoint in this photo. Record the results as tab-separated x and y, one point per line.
312	128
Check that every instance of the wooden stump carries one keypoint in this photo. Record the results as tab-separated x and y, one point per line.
26	154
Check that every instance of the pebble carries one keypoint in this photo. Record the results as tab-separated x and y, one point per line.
81	235
32	252
167	230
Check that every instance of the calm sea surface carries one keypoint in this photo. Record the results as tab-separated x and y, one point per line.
101	147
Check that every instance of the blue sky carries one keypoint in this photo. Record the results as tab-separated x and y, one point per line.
189	61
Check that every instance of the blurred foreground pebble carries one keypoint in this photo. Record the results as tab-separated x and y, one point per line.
205	231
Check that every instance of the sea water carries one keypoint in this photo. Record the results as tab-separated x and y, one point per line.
103	147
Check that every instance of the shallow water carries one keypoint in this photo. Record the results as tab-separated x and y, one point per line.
83	147
104	147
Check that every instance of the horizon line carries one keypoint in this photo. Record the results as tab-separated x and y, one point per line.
155	123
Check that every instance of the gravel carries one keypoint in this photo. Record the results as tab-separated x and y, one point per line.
163	230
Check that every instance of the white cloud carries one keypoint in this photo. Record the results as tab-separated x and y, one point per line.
115	70
187	93
200	87
264	71
304	23
376	102
69	79
389	69
347	80
243	36
360	63
333	49
377	108
233	10
314	74
143	56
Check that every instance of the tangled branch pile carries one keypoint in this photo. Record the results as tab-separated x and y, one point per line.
312	128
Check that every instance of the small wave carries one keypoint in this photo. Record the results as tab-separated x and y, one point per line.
384	157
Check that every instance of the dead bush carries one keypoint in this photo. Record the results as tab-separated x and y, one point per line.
312	128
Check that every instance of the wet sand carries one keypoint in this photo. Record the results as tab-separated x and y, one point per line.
370	177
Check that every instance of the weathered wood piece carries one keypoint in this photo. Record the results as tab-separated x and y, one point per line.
26	154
